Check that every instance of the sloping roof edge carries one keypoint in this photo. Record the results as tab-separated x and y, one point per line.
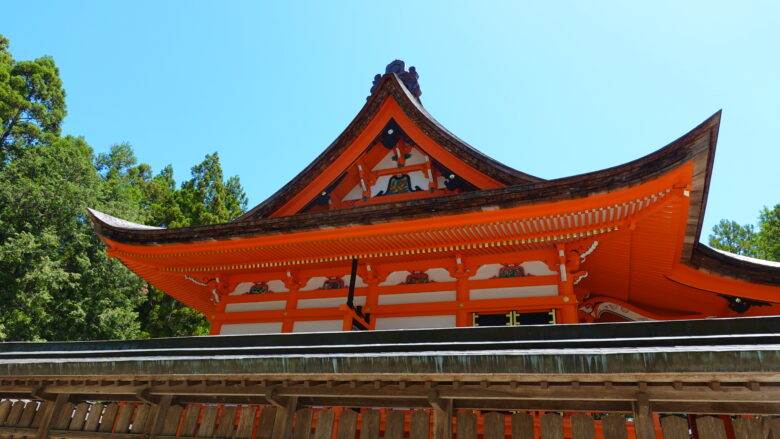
695	145
390	85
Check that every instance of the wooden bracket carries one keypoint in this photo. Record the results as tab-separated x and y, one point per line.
144	395
38	393
50	411
272	395
435	401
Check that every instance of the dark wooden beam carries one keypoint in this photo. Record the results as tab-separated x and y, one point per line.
52	409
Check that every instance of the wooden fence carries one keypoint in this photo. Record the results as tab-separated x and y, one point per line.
94	420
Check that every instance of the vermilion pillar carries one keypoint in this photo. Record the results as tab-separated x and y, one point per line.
568	312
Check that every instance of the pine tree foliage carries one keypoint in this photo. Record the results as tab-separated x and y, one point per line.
56	281
746	240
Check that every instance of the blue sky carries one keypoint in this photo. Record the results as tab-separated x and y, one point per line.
550	88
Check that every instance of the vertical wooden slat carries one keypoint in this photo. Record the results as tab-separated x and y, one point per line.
522	426
466	425
208	421
109	416
79	416
246	422
93	417
15	414
493	426
582	427
190	422
369	425
347	427
124	418
5	407
324	428
442	420
643	418
394	424
140	419
227	422
711	427
283	422
41	413
675	427
53	413
770	427
171	422
265	428
746	428
552	426
61	419
156	417
420	425
28	414
614	427
302	428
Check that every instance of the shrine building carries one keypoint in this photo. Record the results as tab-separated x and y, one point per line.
399	224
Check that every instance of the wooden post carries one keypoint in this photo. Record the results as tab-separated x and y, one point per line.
284	419
51	411
442	416
643	418
160	412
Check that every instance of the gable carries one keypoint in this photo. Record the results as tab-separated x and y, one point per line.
392	151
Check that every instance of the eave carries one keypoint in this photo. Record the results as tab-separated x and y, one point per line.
697	147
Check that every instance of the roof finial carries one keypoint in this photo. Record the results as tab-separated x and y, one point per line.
409	78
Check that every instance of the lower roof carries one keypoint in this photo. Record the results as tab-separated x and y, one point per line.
714	346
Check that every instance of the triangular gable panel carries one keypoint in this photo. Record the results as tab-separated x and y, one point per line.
390	158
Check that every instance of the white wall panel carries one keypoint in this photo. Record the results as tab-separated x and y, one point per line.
317	325
438	296
417	322
256	306
251	328
502	293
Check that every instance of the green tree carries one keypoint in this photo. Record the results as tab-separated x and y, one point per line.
204	199
32	102
746	240
58	283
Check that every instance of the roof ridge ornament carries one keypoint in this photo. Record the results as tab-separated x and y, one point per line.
409	78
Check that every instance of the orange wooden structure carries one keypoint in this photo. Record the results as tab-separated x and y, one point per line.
445	236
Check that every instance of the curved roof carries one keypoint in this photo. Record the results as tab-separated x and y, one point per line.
389	86
697	145
670	184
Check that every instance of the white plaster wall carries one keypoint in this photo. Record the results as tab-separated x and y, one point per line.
329	302
315	283
387	161
532	268
256	306
275	286
317	326
355	194
510	292
446	321
396	299
434	275
439	275
241	288
251	328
